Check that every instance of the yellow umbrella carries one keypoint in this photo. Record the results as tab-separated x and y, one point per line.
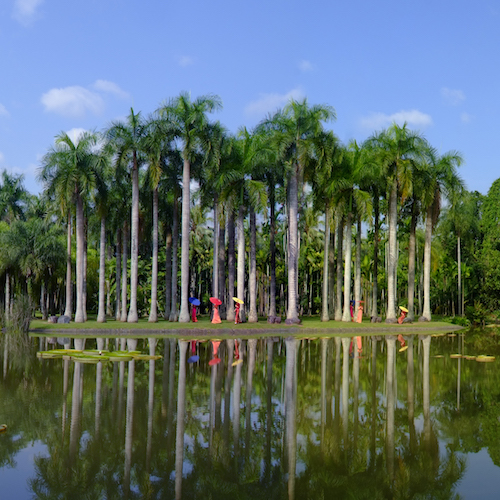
403	309
239	301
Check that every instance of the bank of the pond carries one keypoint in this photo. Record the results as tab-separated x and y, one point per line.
204	328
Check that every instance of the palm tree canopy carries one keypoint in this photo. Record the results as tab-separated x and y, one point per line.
189	118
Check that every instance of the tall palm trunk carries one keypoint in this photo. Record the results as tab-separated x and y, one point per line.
118	274
324	298
222	268
68	311
168	273
376	214
231	265
272	250
101	314
153	313
340	244
215	260
292	311
85	255
181	411
391	305
175	252
346	315
80	241
357	273
331	272
252	313
426	313
185	215
411	264
124	272
241	259
134	247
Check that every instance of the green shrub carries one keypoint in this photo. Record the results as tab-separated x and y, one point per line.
22	314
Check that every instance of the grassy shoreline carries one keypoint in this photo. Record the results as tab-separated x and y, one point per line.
204	328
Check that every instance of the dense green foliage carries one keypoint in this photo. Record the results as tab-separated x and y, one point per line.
393	208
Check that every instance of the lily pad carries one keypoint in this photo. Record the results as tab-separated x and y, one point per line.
455	356
483	358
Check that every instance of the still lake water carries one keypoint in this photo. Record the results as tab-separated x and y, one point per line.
297	418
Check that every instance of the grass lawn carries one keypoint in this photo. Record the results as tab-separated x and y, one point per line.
309	326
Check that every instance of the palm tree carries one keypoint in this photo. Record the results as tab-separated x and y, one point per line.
295	128
396	149
188	119
127	138
101	198
461	217
247	194
13	197
69	171
351	203
442	178
323	188
156	146
372	181
218	148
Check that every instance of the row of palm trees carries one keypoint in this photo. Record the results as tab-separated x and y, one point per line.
393	173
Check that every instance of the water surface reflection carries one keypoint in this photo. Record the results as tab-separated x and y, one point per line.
374	417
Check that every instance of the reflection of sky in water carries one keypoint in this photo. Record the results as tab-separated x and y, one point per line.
15	481
481	477
480	480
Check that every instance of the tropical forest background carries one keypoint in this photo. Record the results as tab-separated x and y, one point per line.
135	218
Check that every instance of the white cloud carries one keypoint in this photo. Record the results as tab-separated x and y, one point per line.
271	102
111	88
453	96
413	118
305	66
25	10
185	61
72	101
465	117
3	110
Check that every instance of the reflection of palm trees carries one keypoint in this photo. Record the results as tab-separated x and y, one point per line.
345	388
324	352
65	396
151	395
227	390
336	420
252	349
373	426
181	408
236	407
426	343
291	412
390	395
76	407
410	375
269	408
355	379
129	422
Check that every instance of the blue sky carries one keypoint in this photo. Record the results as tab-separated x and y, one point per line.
80	64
